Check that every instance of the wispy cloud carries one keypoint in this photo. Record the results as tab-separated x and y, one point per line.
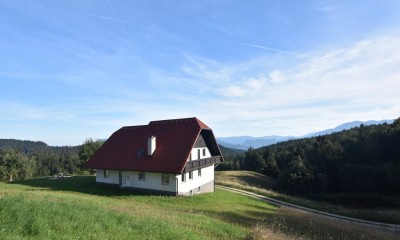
275	50
117	17
17	111
83	13
357	82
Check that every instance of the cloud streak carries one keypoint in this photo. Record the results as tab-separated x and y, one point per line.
87	14
117	17
275	50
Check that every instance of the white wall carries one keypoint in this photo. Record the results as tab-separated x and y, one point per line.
207	175
152	181
113	176
195	155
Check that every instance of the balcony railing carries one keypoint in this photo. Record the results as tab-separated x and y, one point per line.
196	164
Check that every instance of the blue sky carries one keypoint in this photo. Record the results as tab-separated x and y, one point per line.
71	70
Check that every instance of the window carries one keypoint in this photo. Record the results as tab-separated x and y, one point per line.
199	189
204	152
190	175
106	174
199	172
142	176
190	157
198	153
191	192
165	179
183	177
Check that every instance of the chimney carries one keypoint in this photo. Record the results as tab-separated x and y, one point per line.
151	145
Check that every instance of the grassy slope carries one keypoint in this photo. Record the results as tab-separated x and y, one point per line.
263	185
76	208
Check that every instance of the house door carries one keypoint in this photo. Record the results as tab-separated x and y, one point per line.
126	179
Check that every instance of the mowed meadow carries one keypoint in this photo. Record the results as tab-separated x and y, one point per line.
78	208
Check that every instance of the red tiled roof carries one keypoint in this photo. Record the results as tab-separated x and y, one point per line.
174	140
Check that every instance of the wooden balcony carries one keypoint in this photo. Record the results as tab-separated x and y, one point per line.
196	164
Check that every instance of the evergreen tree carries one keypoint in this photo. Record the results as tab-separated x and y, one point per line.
254	161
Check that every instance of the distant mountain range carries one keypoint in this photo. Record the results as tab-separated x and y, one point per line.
346	126
245	142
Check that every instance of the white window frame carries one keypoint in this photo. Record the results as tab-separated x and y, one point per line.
191	175
199	172
106	173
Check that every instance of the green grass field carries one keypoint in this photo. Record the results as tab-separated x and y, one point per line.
78	208
264	185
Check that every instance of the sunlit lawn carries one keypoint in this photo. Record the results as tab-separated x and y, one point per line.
78	208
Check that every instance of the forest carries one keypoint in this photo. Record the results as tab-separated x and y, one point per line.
27	159
365	159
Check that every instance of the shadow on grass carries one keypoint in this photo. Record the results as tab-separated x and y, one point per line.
247	218
80	184
257	181
271	207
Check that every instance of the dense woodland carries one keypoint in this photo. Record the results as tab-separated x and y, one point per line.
27	159
365	159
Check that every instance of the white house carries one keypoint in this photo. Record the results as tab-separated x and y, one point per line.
175	157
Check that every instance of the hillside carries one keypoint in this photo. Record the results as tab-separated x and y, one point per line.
22	159
361	160
226	152
349	125
78	208
25	146
266	186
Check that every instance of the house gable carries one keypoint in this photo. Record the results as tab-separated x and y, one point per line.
200	143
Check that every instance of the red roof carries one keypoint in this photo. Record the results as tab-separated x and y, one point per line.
175	139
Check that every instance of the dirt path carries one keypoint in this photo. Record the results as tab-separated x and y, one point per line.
378	225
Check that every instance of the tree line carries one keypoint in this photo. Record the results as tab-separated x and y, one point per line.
365	159
28	159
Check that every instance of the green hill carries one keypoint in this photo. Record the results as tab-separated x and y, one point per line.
78	208
361	160
22	159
